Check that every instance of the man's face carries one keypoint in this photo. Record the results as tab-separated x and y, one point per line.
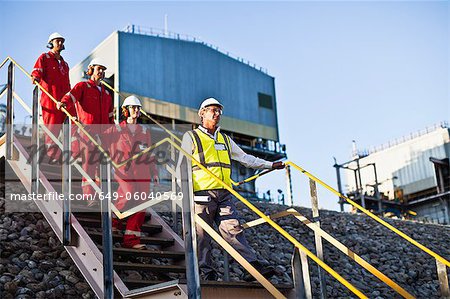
211	114
58	44
99	72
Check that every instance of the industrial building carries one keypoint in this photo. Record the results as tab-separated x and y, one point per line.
173	73
408	177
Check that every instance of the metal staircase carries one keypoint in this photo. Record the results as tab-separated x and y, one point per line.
170	269
82	231
156	266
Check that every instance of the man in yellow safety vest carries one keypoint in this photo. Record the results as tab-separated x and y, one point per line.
213	203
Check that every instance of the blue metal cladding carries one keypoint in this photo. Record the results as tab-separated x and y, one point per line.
185	73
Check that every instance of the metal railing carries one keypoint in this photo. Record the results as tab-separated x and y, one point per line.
299	254
137	29
192	273
441	263
397	141
108	286
189	220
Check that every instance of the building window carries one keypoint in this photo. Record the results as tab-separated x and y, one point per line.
265	100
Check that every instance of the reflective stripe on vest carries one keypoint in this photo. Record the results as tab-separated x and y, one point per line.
216	161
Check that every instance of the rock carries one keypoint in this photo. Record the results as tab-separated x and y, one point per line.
24	291
46	265
82	287
25	231
41	295
35	259
59	291
215	253
31	264
38	276
13	269
280	269
237	271
64	254
35	287
376	293
5	295
4	279
88	295
55	281
10	287
12	236
60	263
24	256
37	256
134	275
69	291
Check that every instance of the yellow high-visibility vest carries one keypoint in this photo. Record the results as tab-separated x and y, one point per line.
215	155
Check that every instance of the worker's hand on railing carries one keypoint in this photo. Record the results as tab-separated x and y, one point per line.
60	105
34	80
278	165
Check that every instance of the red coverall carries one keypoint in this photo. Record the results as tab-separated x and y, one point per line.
134	178
94	106
53	75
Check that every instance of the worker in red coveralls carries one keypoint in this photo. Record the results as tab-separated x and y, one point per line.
134	178
52	72
94	107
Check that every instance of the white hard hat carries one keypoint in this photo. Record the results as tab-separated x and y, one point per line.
209	102
132	101
97	61
55	35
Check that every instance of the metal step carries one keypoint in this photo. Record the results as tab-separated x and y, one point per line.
96	223
175	255
149	267
205	283
53	173
144	240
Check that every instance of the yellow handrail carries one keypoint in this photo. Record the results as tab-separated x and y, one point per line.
267	284
318	230
371	215
179	140
74	119
71	117
273	224
227	187
4	61
254	177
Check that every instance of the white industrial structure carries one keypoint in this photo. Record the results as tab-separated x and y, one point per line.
408	174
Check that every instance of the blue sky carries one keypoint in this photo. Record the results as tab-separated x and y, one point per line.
357	70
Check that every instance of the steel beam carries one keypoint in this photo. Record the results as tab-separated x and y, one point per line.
9	112
300	273
443	279
35	137
289	186
108	271
189	231
317	237
66	183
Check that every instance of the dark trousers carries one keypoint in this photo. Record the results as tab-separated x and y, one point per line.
219	209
